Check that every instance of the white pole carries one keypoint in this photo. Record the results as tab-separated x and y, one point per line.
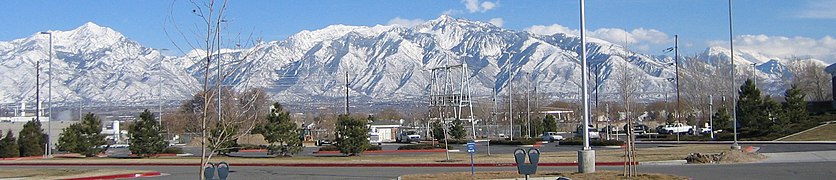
586	156
584	80
731	76
510	96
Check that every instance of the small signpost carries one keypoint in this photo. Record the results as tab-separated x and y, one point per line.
471	149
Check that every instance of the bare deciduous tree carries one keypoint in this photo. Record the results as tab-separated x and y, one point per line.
810	77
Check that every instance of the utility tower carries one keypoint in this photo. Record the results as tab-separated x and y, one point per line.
450	95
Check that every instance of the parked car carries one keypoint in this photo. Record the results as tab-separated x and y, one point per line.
552	136
408	137
593	133
638	128
677	128
612	129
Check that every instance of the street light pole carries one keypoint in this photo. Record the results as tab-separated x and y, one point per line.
159	84
731	76
676	63
710	116
49	97
586	156
510	94
528	105
754	78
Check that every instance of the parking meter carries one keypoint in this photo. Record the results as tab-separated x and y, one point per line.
533	158
209	170
223	170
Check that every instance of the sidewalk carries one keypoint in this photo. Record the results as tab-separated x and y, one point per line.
811	156
317	164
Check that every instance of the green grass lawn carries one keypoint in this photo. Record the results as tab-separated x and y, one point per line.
823	133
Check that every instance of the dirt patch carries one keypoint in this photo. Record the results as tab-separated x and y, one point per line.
552	174
730	156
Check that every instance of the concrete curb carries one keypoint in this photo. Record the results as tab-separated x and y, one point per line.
739	142
669	162
317	164
389	151
119	176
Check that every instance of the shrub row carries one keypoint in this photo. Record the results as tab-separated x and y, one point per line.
334	148
172	150
592	142
529	141
421	147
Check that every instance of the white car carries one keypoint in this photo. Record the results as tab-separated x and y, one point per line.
408	137
593	133
677	128
551	137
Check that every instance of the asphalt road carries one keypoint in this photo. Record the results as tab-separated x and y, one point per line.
811	170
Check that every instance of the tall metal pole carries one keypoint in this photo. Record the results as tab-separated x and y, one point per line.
711	117
49	98
346	93
731	76
49	121
676	63
510	95
754	78
159	84
528	105
586	156
220	78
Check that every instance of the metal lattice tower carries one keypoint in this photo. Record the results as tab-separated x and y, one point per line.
450	95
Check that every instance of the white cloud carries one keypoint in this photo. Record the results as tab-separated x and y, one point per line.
479	6
498	22
819	9
614	35
406	22
551	29
781	46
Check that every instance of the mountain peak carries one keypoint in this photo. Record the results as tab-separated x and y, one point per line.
94	29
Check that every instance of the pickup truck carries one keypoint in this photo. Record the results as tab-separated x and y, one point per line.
409	137
677	128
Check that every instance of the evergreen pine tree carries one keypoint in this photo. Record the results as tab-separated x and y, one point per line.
670	119
537	127
772	123
352	135
221	138
457	129
281	132
438	130
795	110
8	146
750	112
145	135
549	124
722	120
84	138
31	139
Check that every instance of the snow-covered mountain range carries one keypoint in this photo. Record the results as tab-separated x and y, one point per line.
383	63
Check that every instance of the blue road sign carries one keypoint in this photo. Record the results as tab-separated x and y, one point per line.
471	147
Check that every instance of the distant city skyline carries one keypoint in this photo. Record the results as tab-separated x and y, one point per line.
773	27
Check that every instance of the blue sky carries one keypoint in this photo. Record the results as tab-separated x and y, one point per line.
776	27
